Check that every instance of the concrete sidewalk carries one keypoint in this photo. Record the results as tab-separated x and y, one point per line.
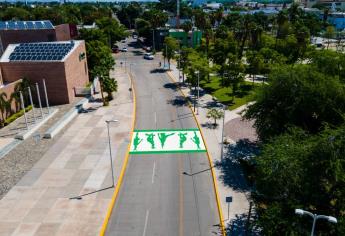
78	163
240	205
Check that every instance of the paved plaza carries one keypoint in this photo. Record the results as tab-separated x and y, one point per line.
78	163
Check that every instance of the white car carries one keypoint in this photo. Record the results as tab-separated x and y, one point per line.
148	56
124	50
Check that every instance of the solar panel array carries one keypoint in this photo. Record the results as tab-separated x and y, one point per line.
25	25
41	51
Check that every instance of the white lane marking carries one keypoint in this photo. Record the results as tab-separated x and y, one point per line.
156	118
153	171
146	219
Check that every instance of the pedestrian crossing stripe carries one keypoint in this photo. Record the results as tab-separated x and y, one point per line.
166	141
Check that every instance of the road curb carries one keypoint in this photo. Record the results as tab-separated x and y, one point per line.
124	166
220	212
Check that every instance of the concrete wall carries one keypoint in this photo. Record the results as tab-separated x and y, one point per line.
26	36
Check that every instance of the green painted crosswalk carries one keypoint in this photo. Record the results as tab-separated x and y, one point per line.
167	141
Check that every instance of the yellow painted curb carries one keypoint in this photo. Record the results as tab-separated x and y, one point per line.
220	212
123	169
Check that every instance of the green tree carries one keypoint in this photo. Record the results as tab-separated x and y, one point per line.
215	114
233	73
297	170
109	86
112	29
297	96
93	35
3	107
143	28
171	45
128	14
329	34
100	62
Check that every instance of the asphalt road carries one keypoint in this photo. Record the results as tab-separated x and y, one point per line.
156	196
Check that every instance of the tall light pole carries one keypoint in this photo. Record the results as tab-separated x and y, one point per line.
198	72
222	144
111	159
315	218
179	61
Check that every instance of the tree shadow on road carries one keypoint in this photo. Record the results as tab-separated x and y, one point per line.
179	101
234	169
172	86
158	70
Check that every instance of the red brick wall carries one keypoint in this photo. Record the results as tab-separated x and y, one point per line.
52	72
9	89
26	36
76	70
63	32
60	77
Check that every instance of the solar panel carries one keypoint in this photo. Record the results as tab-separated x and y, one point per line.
39	25
11	25
30	25
2	25
20	25
40	51
48	24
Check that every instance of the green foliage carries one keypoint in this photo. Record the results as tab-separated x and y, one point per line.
109	86
155	17
129	13
143	28
245	92
15	116
296	170
93	35
215	114
112	29
172	46
297	96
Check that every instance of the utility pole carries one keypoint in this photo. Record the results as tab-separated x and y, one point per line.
153	40
178	14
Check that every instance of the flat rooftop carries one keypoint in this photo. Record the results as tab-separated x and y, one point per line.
39	52
26	25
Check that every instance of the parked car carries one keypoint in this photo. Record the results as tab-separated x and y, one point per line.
148	56
124	49
115	49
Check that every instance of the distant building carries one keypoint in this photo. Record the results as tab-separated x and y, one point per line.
63	65
65	32
337	19
332	4
25	32
190	39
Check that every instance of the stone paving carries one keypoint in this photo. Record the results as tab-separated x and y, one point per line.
233	122
78	163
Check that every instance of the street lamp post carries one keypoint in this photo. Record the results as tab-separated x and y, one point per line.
315	218
111	159
222	144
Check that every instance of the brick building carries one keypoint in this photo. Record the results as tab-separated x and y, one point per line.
25	32
62	64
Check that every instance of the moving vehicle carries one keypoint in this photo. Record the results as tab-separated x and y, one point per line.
148	56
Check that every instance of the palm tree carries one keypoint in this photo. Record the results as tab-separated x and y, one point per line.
214	114
3	106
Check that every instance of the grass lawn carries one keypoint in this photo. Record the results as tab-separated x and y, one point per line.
244	95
